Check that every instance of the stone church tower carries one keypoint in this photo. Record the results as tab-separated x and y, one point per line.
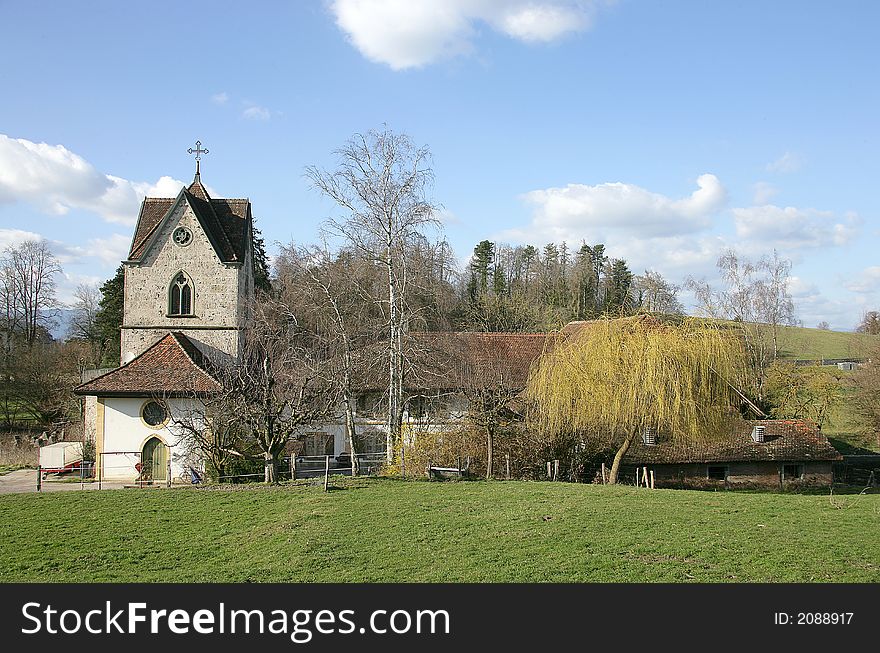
189	270
189	284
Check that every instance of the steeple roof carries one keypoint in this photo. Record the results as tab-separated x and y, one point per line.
196	188
226	222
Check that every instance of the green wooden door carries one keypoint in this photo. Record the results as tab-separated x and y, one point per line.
155	459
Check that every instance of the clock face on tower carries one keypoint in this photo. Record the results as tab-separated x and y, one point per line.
182	236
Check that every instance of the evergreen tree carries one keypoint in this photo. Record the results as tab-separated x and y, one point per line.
617	288
108	319
262	284
481	262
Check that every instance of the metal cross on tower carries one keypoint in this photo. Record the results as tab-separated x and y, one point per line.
198	152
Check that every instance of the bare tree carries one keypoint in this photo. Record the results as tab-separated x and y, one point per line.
83	324
211	428
382	181
334	293
489	395
870	323
823	326
283	382
654	294
27	289
44	378
755	297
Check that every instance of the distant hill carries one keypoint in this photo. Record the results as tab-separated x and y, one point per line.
800	343
61	326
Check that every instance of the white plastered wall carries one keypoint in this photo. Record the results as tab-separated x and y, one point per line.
125	433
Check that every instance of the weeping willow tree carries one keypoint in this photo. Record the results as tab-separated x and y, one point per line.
611	379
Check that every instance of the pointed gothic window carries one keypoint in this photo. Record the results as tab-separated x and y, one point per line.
180	296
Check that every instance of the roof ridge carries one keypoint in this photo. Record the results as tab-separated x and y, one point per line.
176	335
116	369
212	230
159	222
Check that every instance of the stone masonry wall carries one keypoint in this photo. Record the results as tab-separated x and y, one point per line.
217	289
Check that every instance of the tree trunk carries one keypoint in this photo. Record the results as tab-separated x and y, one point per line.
490	451
393	398
615	466
351	433
271	467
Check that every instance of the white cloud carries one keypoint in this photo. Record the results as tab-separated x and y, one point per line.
406	34
56	180
813	306
220	98
764	192
868	281
800	288
12	237
792	228
446	217
255	112
788	162
594	213
111	250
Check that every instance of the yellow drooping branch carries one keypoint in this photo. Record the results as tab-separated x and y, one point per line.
619	376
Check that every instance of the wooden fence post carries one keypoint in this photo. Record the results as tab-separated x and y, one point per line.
556	469
507	465
168	472
292	466
39	479
603	474
549	475
326	472
652	479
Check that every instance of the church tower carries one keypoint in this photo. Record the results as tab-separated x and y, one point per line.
189	270
189	284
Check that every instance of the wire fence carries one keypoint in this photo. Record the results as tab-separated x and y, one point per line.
125	468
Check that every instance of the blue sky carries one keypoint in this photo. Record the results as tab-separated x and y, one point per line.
668	130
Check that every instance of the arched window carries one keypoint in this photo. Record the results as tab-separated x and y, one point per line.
180	296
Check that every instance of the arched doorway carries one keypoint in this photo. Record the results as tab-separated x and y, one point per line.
154	460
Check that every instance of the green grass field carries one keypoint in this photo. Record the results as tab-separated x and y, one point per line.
385	530
815	344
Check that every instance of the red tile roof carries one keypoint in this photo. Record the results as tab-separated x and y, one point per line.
785	440
225	221
173	366
463	358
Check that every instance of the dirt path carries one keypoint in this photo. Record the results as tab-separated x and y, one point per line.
25	480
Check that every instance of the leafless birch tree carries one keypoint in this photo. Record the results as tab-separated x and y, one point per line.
382	181
755	297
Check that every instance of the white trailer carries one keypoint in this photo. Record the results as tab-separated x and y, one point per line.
60	457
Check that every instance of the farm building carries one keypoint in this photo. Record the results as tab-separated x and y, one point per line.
761	453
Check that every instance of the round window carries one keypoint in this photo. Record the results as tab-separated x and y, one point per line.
154	413
182	236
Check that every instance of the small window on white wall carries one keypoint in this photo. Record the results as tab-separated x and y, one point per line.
154	413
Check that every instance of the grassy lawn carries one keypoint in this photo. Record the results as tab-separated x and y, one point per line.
815	344
391	531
